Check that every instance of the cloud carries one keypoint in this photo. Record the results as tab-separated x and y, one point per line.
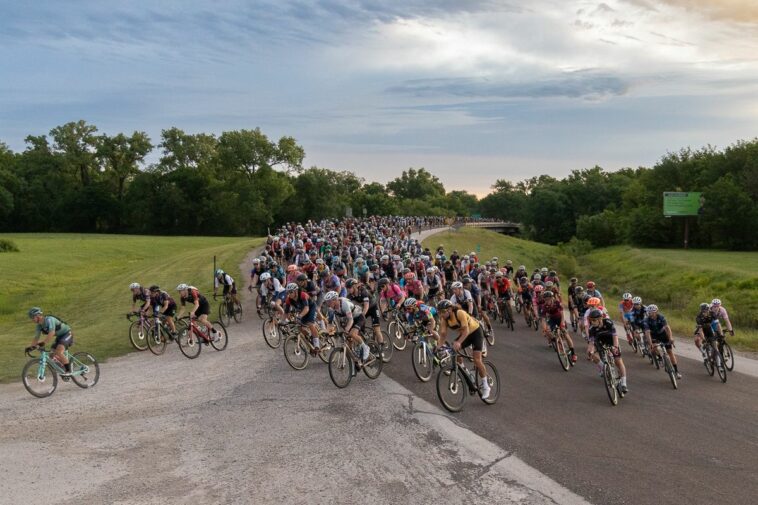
742	11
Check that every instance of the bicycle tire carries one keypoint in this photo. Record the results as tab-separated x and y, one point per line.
669	367
340	367
387	348
237	312
610	387
189	343
493	379
374	365
271	333
708	362
562	352
451	384
30	375
137	338
223	340
423	363
489	334
397	335
296	353
720	366
327	345
90	377
728	356
155	341
223	313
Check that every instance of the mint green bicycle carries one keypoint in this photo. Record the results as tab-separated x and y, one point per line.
40	374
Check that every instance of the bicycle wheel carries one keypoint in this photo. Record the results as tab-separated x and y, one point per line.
85	371
238	312
726	352
562	352
422	361
224	314
708	362
669	367
138	335
296	353
327	344
373	366
518	307
610	386
222	337
656	358
451	388
189	343
489	333
340	367
387	348
493	379
271	333
39	382
719	365
156	342
397	335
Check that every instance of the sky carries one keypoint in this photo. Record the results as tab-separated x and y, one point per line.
473	91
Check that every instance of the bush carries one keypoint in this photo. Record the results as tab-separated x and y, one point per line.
7	245
601	229
575	247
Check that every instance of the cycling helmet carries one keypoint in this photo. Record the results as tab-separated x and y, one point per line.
627	296
509	263
716	302
265	276
573	280
537	277
359	260
331	295
383	282
539	288
590	285
652	309
444	305
494	259
134	285
291	268
350	283
498	274
466	281
578	290
703	307
409	276
457	285
154	288
219	272
548	294
466	257
182	287
409	302
256	261
552	273
385	258
430	270
34	311
522	268
637	300
595	314
301	278
549	284
543	270
593	301
291	287
522	280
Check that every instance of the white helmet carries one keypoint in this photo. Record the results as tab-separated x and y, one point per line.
182	287
716	302
291	287
134	285
652	309
627	296
430	270
637	300
410	302
331	295
265	276
457	285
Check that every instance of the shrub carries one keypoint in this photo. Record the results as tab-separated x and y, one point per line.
7	245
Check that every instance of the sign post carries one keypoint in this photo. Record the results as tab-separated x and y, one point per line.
683	204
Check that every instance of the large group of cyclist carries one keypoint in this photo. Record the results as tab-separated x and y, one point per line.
351	290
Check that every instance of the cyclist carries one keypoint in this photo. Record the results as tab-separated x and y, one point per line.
273	292
224	279
592	302
625	309
434	284
413	287
351	319
53	329
141	295
704	327
469	334
527	296
200	307
657	329
638	315
421	314
553	319
390	295
502	290
720	314
594	292
165	305
299	302
360	295
603	332
462	298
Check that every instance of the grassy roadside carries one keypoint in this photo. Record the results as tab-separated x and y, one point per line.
85	278
676	280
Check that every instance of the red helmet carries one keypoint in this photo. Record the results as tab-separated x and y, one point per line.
539	288
590	285
594	301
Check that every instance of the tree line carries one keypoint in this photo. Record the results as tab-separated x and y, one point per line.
76	179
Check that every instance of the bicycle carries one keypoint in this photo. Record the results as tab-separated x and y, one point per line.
344	362
42	371
519	304
158	336
138	330
610	375
726	352
713	360
659	354
505	313
455	380
424	358
229	310
559	343
271	333
298	347
398	330
192	336
386	346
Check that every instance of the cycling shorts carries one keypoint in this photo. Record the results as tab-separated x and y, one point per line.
607	341
475	339
663	338
170	310
553	322
310	317
66	340
228	289
203	309
373	314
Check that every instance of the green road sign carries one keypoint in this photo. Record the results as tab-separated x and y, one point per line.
681	203
478	248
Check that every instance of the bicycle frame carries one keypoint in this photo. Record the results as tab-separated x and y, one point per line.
45	358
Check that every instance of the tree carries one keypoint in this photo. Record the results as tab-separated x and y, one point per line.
416	185
248	151
76	144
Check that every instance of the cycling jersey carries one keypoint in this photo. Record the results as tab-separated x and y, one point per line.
503	288
553	311
393	293
423	315
459	319
142	296
705	321
52	323
159	299
463	301
655	326
273	288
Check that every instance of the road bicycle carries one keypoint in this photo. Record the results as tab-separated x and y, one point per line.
559	343
713	360
229	310
425	358
519	304
40	374
271	332
399	330
659	355
191	337
726	352
505	314
610	374
344	362
298	347
455	380
138	329
386	346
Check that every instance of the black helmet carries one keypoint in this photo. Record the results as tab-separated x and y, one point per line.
154	288
467	280
704	307
350	283
595	314
444	304
547	294
301	277
383	282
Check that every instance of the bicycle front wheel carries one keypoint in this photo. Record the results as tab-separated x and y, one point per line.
156	342
562	352
373	366
451	388
708	362
224	313
85	371
271	333
327	344
397	335
221	338
189	343
387	348
610	386
493	379
340	367
670	370
422	361
489	333
296	353
138	335
238	312
726	352
40	382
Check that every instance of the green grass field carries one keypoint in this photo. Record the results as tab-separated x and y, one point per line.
676	280
85	280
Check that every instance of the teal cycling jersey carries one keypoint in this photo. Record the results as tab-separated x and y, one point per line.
52	323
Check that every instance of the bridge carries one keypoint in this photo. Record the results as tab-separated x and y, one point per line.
496	226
